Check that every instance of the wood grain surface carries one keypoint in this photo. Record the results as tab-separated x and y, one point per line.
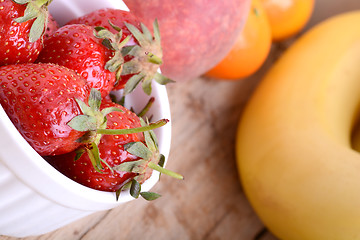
209	204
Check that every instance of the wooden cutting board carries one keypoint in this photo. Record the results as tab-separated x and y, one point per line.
209	203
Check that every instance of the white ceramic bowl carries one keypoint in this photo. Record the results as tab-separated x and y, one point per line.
34	197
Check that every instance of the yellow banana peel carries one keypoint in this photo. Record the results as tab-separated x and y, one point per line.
294	143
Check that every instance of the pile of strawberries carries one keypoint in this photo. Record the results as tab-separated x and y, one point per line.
56	84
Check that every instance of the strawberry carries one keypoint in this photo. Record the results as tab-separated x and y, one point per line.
40	101
23	23
121	157
76	47
104	18
111	149
143	54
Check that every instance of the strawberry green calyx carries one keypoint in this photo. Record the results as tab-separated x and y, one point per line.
146	59
93	121
92	118
150	159
38	10
135	191
113	42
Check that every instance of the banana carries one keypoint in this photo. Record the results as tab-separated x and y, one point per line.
294	144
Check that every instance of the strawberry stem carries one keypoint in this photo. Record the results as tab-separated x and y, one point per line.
147	107
149	127
165	171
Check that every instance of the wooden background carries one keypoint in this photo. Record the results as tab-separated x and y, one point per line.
209	203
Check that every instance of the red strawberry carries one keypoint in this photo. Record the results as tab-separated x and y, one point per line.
112	153
111	149
102	17
120	158
143	56
39	100
76	47
20	40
